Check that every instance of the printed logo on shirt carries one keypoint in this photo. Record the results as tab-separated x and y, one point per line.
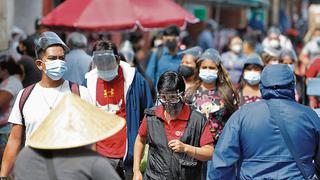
179	133
107	93
111	108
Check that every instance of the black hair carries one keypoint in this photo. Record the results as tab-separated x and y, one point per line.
171	81
40	52
11	66
37	24
252	66
28	43
171	31
106	45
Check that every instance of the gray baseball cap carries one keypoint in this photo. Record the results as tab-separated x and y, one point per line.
254	59
272	52
274	30
289	52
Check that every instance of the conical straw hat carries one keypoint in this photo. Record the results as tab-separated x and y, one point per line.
74	123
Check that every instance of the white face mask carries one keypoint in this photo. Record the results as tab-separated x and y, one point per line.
237	48
158	42
274	62
316	38
291	66
208	75
252	77
274	43
108	75
55	69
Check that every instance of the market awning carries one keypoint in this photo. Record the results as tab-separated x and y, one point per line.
117	15
237	3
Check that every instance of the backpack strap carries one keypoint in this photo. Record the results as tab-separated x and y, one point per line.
74	88
27	91
24	96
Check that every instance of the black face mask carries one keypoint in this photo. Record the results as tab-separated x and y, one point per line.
186	71
171	45
19	51
174	109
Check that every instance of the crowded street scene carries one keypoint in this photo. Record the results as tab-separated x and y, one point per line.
159	89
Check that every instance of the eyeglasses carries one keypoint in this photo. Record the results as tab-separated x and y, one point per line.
170	98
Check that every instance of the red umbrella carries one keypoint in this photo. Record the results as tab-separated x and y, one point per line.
117	14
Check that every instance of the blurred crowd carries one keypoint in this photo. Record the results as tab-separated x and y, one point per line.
221	71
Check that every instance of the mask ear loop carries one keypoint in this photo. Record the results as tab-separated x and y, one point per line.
158	101
181	96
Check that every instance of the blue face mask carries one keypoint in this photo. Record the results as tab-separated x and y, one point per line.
291	66
252	77
108	75
208	75
55	69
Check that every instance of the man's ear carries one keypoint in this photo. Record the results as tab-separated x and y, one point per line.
39	64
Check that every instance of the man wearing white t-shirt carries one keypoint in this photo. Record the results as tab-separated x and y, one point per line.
50	50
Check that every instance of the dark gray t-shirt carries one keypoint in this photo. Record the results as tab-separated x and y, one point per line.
70	164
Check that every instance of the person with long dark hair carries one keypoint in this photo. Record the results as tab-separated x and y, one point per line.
188	67
213	94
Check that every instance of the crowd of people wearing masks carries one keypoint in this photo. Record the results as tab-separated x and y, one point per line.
189	113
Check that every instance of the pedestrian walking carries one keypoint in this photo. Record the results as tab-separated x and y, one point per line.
263	140
251	75
178	136
188	67
64	152
35	102
118	88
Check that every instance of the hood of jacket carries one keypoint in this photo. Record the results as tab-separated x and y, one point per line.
277	82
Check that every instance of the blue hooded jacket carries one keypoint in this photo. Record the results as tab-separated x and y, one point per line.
252	141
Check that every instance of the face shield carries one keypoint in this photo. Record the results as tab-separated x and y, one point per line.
211	54
105	60
127	51
47	39
172	102
172	98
